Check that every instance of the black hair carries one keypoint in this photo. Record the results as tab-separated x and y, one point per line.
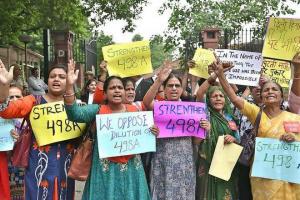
57	66
89	82
107	81
127	80
172	76
279	86
84	95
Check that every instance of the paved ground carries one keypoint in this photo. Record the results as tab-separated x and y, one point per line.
79	185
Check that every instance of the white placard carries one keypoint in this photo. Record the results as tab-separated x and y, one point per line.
247	66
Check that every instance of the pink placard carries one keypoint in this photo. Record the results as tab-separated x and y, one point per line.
179	119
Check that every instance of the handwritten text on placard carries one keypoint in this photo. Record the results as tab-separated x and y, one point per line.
247	66
128	59
278	71
125	133
203	58
179	119
275	159
50	124
282	38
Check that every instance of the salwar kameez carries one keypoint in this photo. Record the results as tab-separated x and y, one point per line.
116	181
110	180
173	174
46	174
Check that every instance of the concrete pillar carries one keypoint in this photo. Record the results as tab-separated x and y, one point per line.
63	46
211	37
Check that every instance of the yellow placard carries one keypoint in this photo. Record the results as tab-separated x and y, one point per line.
278	71
282	39
50	124
128	59
203	58
224	159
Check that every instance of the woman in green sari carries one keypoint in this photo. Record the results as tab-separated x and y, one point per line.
222	123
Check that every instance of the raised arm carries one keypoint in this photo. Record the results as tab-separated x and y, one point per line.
72	76
19	108
190	64
5	80
236	100
83	114
294	96
204	87
296	80
210	81
99	93
148	99
246	92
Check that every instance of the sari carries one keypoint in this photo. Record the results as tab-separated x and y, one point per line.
210	187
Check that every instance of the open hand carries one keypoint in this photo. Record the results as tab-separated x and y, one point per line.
165	71
103	66
263	79
217	67
72	75
5	76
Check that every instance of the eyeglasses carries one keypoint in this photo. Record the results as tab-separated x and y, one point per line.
15	96
173	85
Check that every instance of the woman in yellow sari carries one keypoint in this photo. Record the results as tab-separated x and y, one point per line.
271	126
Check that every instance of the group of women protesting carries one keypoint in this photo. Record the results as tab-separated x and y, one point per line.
175	173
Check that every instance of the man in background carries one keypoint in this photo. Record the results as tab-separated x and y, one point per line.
36	85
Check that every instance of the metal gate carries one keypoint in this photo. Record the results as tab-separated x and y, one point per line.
84	51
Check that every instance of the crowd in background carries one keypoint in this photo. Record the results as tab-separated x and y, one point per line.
178	170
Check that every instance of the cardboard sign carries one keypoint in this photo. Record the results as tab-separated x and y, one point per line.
179	119
278	71
203	58
247	66
6	141
127	133
282	39
50	124
128	59
275	159
224	159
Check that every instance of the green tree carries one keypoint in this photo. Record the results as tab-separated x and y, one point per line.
107	10
158	52
103	40
31	16
137	37
187	19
